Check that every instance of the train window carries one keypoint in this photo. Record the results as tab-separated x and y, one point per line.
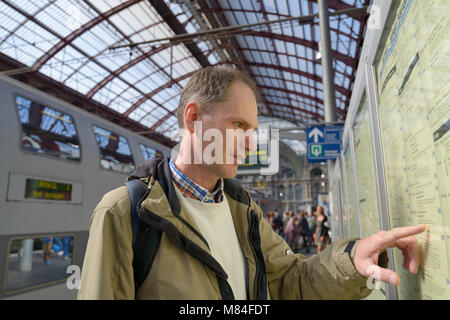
149	153
115	152
47	131
36	261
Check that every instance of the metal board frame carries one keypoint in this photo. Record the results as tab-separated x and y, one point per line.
348	143
345	201
380	179
337	230
365	81
355	180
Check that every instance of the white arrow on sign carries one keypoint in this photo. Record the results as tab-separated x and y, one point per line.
316	133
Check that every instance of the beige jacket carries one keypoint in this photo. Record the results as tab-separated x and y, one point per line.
184	268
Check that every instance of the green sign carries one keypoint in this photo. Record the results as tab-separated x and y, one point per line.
315	151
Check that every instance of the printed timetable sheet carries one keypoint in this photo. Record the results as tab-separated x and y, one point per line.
413	72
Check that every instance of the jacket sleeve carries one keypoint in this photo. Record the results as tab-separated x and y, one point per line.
107	271
328	275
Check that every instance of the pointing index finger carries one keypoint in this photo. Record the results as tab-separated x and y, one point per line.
402	232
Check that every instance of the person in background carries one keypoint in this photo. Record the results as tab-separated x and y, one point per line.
304	230
67	243
312	224
291	231
321	229
284	220
58	246
270	218
47	249
277	223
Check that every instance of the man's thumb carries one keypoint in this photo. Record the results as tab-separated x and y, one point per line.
382	274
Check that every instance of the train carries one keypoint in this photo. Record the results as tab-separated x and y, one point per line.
57	162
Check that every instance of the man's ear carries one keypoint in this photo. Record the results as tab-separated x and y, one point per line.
191	114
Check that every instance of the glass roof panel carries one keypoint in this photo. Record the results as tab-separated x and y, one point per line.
169	128
105	5
148	120
60	38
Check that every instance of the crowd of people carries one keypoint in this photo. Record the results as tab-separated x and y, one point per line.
302	230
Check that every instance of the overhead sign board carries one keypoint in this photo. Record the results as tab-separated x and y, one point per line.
324	142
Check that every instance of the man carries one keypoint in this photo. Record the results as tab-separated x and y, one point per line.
215	242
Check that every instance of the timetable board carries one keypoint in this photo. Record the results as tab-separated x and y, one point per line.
369	219
412	68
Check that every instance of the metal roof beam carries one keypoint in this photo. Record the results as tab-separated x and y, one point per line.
124	67
314	77
178	28
301	94
295	108
117	74
299	83
67	40
237	29
305	103
20	25
303	42
296	57
216	11
146	96
161	121
359	44
297	92
340	5
264	12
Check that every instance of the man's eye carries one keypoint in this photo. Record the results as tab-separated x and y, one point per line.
238	124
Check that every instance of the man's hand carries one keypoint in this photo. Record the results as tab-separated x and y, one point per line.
368	249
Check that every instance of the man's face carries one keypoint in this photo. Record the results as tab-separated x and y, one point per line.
238	114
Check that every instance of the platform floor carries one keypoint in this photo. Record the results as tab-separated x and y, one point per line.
40	272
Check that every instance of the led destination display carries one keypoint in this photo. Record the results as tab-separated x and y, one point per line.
48	190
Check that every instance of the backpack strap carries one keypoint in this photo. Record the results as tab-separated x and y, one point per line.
136	190
145	238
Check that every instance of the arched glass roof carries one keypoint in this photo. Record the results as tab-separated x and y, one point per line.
100	49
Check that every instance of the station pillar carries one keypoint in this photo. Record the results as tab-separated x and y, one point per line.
26	255
329	97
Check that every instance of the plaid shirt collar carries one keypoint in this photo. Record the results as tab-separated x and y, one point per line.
191	189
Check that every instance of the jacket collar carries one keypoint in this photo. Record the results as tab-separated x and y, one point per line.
192	189
159	169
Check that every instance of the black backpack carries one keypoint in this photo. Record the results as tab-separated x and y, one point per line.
145	238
